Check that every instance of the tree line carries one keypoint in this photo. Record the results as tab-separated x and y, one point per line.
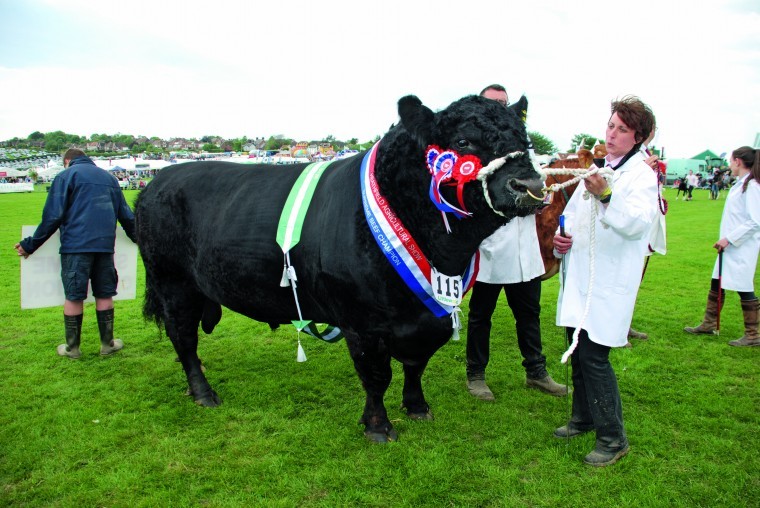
58	141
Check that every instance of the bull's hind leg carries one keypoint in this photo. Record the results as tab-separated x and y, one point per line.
372	362
183	315
414	401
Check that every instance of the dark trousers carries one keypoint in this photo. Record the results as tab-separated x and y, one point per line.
524	298
596	397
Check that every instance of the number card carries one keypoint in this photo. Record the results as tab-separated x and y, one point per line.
447	290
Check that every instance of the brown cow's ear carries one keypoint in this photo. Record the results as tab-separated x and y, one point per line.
416	118
521	108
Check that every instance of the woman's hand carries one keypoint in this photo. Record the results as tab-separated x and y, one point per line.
596	184
562	244
721	244
651	161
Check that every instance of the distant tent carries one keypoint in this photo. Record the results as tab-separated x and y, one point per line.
115	168
14	173
705	154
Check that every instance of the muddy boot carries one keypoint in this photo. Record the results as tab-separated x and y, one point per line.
602	458
633	334
73	325
710	320
108	345
476	384
751	338
547	385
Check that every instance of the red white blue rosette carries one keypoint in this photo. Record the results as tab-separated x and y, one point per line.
447	166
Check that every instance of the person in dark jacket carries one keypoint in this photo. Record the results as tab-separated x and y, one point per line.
84	203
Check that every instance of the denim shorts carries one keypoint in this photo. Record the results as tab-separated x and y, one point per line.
78	269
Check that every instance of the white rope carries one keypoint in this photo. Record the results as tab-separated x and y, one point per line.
592	273
492	166
579	174
290	274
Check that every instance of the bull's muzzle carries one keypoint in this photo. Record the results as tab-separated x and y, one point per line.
528	193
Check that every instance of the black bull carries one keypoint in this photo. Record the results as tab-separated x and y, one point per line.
207	231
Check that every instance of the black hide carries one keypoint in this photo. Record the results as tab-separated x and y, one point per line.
207	235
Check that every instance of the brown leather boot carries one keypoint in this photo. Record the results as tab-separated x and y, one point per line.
476	384
751	338
710	320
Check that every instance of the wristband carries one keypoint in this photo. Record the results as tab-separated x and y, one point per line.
605	196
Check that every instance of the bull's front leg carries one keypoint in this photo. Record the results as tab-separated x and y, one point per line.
414	401
372	362
185	341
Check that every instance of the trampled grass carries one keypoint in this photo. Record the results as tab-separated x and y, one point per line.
120	432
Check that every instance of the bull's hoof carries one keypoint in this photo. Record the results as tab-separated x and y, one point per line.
381	437
420	416
209	400
423	415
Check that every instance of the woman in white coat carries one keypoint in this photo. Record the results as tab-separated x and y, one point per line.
605	243
739	242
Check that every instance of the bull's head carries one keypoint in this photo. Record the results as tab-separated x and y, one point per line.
483	130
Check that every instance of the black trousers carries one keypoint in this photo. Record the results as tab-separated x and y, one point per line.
596	397
524	298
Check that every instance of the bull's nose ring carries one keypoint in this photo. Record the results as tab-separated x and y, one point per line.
534	196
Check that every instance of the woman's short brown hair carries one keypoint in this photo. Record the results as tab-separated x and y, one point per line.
636	115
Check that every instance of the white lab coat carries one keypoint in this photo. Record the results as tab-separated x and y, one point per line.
621	239
512	253
740	224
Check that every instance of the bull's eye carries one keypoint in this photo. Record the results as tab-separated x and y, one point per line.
462	144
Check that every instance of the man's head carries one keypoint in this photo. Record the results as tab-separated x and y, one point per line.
497	93
70	155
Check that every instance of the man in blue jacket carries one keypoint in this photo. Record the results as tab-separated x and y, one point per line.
84	203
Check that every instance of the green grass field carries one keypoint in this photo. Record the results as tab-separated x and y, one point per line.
119	431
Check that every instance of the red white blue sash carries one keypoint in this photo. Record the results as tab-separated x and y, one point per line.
399	247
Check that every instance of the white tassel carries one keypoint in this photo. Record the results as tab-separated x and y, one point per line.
292	276
301	357
456	323
284	282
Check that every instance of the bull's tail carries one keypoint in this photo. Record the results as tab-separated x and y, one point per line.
153	309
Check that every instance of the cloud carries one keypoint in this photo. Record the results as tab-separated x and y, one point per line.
309	70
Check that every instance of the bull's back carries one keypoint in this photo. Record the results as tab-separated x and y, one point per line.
215	224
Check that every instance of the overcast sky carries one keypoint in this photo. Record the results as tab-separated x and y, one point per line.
307	69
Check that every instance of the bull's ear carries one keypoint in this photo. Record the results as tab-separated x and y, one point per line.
416	118
521	108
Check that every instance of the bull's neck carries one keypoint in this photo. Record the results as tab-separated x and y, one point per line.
448	252
406	189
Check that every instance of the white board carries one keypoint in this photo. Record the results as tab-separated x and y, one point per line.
41	272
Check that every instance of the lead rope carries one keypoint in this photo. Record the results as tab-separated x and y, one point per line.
581	174
592	273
